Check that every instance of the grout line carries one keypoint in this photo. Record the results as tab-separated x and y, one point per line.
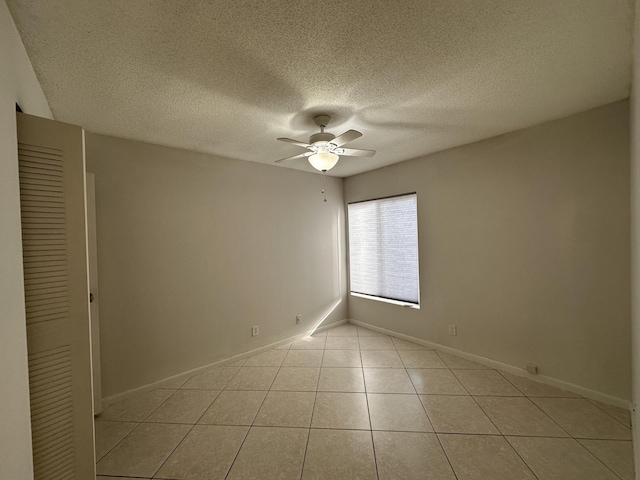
172	452
424	407
250	427
313	409
141	423
434	429
156	423
493	423
373	443
519	456
117	443
592	402
445	454
366	397
543	412
504	438
238	452
187	434
594	456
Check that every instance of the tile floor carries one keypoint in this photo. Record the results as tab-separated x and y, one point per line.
350	403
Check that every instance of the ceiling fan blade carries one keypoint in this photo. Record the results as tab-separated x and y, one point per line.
356	152
295	142
301	155
346	137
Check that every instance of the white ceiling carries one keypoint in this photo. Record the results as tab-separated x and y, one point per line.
228	77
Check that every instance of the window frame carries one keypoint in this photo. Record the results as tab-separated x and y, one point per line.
380	298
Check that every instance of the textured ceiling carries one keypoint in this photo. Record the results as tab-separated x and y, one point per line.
228	77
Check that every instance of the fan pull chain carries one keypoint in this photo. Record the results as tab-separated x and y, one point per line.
324	175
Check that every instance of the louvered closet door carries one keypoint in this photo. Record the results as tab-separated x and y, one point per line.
54	239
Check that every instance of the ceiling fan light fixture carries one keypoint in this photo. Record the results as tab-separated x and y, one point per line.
323	161
325	149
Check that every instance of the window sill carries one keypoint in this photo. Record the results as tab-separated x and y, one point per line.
415	306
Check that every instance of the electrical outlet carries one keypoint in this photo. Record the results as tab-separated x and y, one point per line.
453	330
254	330
299	318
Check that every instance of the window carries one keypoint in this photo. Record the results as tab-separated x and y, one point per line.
383	249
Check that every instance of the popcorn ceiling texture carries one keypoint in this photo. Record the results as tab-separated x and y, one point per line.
228	77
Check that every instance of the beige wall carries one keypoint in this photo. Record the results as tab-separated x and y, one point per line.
635	238
18	84
524	245
193	250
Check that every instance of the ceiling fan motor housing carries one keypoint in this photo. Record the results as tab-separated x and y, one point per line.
321	137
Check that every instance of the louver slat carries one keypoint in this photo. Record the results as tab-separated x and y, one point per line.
46	295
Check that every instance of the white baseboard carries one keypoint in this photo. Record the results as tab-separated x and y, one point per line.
571	387
190	373
554	382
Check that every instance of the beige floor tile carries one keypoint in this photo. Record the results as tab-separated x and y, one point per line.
309	343
234	408
387	380
366	332
303	358
519	416
341	380
342	343
184	406
410	456
339	454
405	345
486	382
109	434
376	343
397	412
215	379
137	408
484	457
460	363
381	358
457	414
436	381
237	363
297	379
206	453
253	378
620	414
286	346
174	383
343	331
559	459
341	358
271	358
615	454
143	451
536	389
582	419
286	409
341	410
421	359
271	453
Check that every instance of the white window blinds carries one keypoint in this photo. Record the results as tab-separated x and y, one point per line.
383	248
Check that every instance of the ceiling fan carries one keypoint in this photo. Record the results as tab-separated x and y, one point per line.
325	148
